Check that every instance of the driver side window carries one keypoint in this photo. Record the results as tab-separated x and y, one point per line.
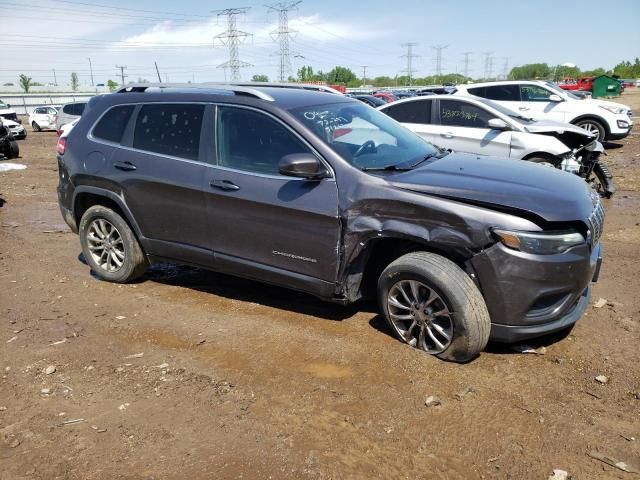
252	141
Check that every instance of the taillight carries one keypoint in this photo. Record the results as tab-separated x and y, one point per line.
61	146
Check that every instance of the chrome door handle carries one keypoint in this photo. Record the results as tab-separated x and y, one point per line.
447	135
524	109
126	166
224	185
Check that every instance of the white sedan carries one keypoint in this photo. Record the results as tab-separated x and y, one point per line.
480	126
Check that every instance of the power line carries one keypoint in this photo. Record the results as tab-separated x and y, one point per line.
488	65
409	56
232	38
282	33
505	67
466	63
122	75
439	49
364	74
91	70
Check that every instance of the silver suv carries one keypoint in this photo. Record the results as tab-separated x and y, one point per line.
68	113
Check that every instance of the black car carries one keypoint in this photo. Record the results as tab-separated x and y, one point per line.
319	193
370	100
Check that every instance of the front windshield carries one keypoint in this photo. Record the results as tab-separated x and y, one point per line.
561	91
364	137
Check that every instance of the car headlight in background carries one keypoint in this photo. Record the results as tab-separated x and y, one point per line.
541	243
614	110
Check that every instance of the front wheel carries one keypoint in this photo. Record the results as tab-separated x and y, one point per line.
36	127
10	149
110	247
602	182
432	304
594	127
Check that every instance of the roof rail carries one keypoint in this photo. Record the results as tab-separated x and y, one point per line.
223	88
299	86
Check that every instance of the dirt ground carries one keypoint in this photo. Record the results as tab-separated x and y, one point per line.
190	374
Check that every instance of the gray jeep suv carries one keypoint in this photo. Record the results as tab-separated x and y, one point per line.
320	193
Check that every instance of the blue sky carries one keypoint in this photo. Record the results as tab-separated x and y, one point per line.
42	35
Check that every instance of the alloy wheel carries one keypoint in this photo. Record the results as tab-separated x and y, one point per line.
105	245
420	316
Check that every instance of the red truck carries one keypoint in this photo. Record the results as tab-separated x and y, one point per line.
584	84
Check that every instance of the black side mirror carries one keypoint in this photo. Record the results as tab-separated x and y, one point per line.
302	165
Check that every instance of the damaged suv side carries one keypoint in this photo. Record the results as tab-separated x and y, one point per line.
319	193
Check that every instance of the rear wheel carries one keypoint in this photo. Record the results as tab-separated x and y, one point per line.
593	126
36	127
432	304
110	247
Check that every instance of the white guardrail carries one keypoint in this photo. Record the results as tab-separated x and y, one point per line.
24	104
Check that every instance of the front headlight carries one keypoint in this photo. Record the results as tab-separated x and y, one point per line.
614	110
541	243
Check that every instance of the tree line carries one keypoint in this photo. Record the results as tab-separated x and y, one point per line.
345	76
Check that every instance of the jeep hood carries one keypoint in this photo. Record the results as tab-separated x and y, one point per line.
542	191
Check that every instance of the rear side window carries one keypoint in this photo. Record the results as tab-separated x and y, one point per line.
78	108
68	109
478	91
111	126
417	111
461	114
169	129
505	93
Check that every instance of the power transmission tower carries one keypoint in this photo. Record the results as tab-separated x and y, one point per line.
91	70
122	75
409	56
466	63
505	67
364	74
282	34
232	37
439	49
488	65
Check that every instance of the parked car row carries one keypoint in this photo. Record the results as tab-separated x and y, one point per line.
480	126
320	193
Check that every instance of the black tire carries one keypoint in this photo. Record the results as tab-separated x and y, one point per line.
36	127
602	181
11	149
467	311
134	262
594	126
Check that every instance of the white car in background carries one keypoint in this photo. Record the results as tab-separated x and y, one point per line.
17	130
43	118
545	100
479	126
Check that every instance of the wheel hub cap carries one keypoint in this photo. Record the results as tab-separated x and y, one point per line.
105	245
420	316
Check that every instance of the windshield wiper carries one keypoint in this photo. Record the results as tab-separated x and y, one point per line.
388	168
429	156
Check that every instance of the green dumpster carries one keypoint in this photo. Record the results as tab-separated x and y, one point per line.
605	86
